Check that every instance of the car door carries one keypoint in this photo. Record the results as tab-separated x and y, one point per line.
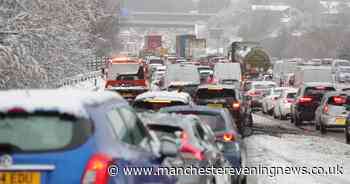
144	144
138	151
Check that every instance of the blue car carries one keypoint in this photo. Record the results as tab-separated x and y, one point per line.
71	137
225	129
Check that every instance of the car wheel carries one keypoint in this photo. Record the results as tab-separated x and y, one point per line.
264	109
297	121
347	135
323	129
317	125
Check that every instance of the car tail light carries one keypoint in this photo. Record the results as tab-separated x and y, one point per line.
96	171
226	137
326	109
304	99
254	93
289	100
16	110
339	100
236	105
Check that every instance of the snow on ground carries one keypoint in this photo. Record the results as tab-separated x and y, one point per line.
295	150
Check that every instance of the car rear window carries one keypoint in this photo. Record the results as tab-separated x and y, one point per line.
42	132
216	122
339	100
291	95
317	92
146	105
215	93
163	130
156	61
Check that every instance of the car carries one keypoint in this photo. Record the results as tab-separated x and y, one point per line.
342	74
269	99
73	136
347	130
308	98
204	73
333	111
225	130
255	90
198	147
282	108
224	96
154	100
337	63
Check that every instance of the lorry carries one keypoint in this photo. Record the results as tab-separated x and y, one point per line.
127	76
228	73
188	46
254	60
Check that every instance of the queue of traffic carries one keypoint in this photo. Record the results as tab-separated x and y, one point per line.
155	113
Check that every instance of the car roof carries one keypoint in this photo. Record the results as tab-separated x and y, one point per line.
176	120
311	84
262	82
67	101
225	86
193	108
166	95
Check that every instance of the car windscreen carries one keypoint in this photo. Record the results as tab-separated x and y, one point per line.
317	92
345	70
155	106
42	132
215	93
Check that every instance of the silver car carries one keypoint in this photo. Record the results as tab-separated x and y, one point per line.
333	111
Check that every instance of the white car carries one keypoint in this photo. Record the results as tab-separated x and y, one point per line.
270	98
283	104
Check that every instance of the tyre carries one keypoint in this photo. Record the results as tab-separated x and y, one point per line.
263	109
347	135
317	125
323	129
292	118
297	121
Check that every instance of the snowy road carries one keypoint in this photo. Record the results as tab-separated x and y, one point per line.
281	144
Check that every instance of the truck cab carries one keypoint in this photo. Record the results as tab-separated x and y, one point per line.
126	76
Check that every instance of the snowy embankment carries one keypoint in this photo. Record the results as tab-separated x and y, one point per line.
297	150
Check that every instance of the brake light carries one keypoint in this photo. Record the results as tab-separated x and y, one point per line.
339	100
325	109
96	171
254	93
236	105
16	110
228	137
305	99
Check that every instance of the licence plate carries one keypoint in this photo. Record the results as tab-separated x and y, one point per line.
126	94
215	105
340	121
20	178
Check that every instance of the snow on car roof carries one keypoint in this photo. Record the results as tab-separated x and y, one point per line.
63	101
164	95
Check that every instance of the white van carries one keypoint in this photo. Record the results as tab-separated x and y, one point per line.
305	74
225	71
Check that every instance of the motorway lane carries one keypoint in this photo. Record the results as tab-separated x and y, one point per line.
280	143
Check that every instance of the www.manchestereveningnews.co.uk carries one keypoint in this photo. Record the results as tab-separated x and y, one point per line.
271	171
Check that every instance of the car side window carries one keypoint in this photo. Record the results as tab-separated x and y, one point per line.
138	131
119	126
